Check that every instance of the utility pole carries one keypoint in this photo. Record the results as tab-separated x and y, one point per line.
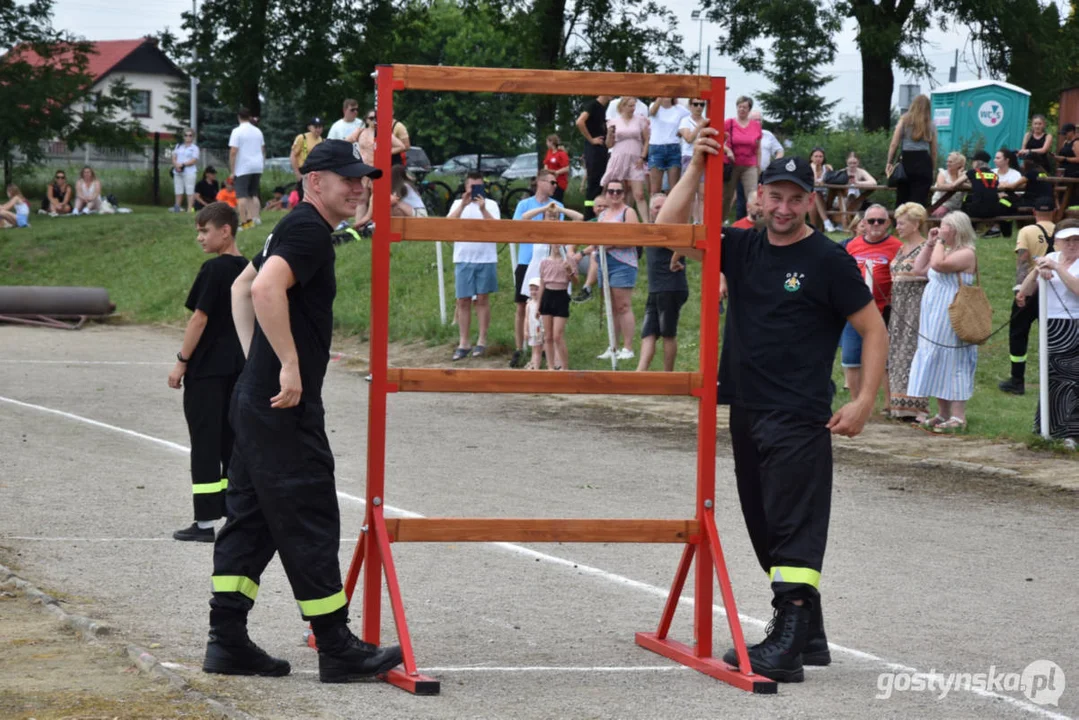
699	17
708	61
953	72
194	65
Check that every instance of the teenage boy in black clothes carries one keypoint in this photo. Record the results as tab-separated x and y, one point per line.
207	365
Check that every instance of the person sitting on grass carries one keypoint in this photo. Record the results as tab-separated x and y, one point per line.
58	196
534	325
16	211
556	272
227	194
279	201
206	189
87	192
207	366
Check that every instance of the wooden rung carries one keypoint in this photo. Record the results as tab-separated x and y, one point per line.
571	382
528	231
549	82
539	530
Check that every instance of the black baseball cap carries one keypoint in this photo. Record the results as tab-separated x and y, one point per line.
982	156
315	121
340	157
1044	204
1067	128
789	169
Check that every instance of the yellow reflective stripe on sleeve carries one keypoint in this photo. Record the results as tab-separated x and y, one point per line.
236	583
588	203
323	606
804	576
1018	358
1005	203
212	487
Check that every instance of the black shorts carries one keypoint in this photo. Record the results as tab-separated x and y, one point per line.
247	186
555	303
661	313
518	280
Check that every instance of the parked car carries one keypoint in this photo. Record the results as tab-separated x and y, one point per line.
417	160
461	164
277	163
523	166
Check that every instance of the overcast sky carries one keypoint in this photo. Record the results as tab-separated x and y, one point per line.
125	19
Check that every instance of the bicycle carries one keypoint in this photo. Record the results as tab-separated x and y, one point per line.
436	195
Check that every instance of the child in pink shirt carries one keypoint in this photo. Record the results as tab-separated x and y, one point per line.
555	275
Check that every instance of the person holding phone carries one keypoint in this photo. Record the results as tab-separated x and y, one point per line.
475	267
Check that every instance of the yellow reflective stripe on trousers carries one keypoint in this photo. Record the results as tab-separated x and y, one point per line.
804	576
236	583
323	606
1018	358
208	488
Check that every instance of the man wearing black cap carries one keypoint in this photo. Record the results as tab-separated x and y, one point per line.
281	494
1032	242
791	292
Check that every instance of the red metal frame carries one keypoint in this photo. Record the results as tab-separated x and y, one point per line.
702	552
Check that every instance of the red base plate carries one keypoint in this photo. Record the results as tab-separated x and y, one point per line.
415	684
679	652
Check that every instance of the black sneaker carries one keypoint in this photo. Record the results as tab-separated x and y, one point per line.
343	657
231	652
1013	386
779	656
515	359
194	533
584	296
992	232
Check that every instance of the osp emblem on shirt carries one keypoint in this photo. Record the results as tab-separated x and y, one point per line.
793	283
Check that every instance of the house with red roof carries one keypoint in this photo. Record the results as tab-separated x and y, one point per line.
147	70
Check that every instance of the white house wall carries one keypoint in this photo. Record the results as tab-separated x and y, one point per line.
159	87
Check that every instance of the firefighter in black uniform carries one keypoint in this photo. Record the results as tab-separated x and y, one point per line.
207	365
791	291
282	496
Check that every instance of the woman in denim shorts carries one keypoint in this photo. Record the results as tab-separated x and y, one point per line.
621	271
664	151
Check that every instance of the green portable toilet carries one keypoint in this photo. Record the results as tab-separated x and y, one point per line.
980	114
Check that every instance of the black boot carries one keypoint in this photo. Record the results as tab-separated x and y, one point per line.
779	655
231	652
343	657
1013	385
816	650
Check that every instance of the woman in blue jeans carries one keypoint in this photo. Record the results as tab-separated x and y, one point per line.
621	271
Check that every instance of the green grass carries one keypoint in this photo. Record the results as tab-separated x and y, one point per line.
148	259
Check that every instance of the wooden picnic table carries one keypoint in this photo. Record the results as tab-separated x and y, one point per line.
1064	191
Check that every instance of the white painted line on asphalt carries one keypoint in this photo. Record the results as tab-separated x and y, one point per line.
82	539
488	669
580	568
81	362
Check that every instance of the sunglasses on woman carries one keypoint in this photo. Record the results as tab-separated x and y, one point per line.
370	118
697	104
615	191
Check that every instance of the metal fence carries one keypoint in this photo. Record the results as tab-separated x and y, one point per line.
61	155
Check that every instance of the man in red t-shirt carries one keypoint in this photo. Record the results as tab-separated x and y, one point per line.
753	213
874	251
557	161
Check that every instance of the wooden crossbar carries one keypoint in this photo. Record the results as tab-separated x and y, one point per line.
540	530
527	231
549	82
603	382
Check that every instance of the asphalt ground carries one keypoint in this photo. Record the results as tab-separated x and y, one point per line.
928	570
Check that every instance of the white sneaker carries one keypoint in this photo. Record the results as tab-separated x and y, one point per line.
258	221
829	226
624	354
606	354
1069	444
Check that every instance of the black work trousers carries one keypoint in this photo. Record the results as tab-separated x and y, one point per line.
919	169
783	466
595	163
1019	334
206	409
282	498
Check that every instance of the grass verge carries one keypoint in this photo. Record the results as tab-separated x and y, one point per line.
148	259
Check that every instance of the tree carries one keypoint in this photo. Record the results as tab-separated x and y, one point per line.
795	103
46	89
1025	42
890	32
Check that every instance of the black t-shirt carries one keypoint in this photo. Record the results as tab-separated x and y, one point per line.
302	239
207	190
218	352
596	124
788	306
983	201
660	277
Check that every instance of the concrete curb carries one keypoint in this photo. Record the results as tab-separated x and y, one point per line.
937	462
88	630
